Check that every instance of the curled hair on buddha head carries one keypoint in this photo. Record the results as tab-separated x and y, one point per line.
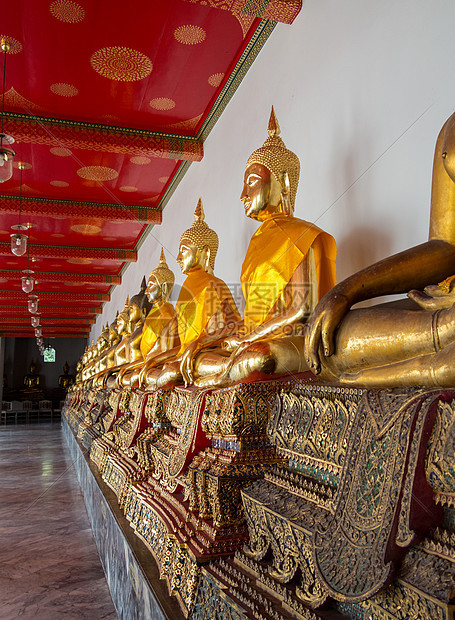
274	155
163	275
201	235
140	299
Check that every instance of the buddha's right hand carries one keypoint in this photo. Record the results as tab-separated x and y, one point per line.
321	327
187	363
433	297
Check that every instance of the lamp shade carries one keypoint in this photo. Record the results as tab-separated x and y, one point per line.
33	304
35	321
18	244
28	283
6	158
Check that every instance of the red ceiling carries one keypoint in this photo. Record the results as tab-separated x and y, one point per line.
107	101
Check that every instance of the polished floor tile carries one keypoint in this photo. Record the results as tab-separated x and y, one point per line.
49	564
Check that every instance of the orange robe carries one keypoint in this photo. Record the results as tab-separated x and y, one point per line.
275	251
202	296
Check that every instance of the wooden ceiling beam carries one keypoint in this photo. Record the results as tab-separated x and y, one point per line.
51	311
31	129
58	276
48	321
60	297
79	209
65	252
8	334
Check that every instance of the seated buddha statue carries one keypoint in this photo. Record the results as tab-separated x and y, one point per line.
118	333
160	331
397	344
89	358
31	379
289	266
129	348
96	352
205	304
65	380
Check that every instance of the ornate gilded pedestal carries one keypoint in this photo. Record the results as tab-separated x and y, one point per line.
189	509
334	528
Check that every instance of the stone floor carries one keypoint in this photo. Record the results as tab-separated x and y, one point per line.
49	564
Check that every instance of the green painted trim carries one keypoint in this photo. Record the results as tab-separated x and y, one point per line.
98	126
83	203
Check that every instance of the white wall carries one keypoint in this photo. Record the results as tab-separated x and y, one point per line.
361	89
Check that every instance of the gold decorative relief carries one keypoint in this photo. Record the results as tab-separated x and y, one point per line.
189	35
64	90
121	64
67	11
97	173
162	103
215	79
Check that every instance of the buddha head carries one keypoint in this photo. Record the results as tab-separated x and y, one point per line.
271	177
66	368
122	318
103	340
198	244
448	148
139	306
160	282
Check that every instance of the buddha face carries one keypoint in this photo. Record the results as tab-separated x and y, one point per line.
121	323
260	190
188	256
134	313
153	290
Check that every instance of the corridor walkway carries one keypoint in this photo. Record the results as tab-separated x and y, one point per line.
49	565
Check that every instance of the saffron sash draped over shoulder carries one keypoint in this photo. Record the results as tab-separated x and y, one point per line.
157	320
275	251
201	297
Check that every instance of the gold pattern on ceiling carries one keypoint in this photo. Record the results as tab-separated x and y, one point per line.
162	103
97	173
14	100
64	90
24	164
60	151
163	179
215	79
86	229
189	35
128	188
15	45
59	183
122	64
140	160
67	11
187	125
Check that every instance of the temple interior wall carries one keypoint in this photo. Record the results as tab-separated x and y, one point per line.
361	89
20	352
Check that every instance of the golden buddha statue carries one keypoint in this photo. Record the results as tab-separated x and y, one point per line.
397	344
205	304
116	335
32	380
289	266
113	340
129	348
66	380
160	330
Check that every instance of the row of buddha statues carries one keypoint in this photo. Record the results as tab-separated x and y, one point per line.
296	317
